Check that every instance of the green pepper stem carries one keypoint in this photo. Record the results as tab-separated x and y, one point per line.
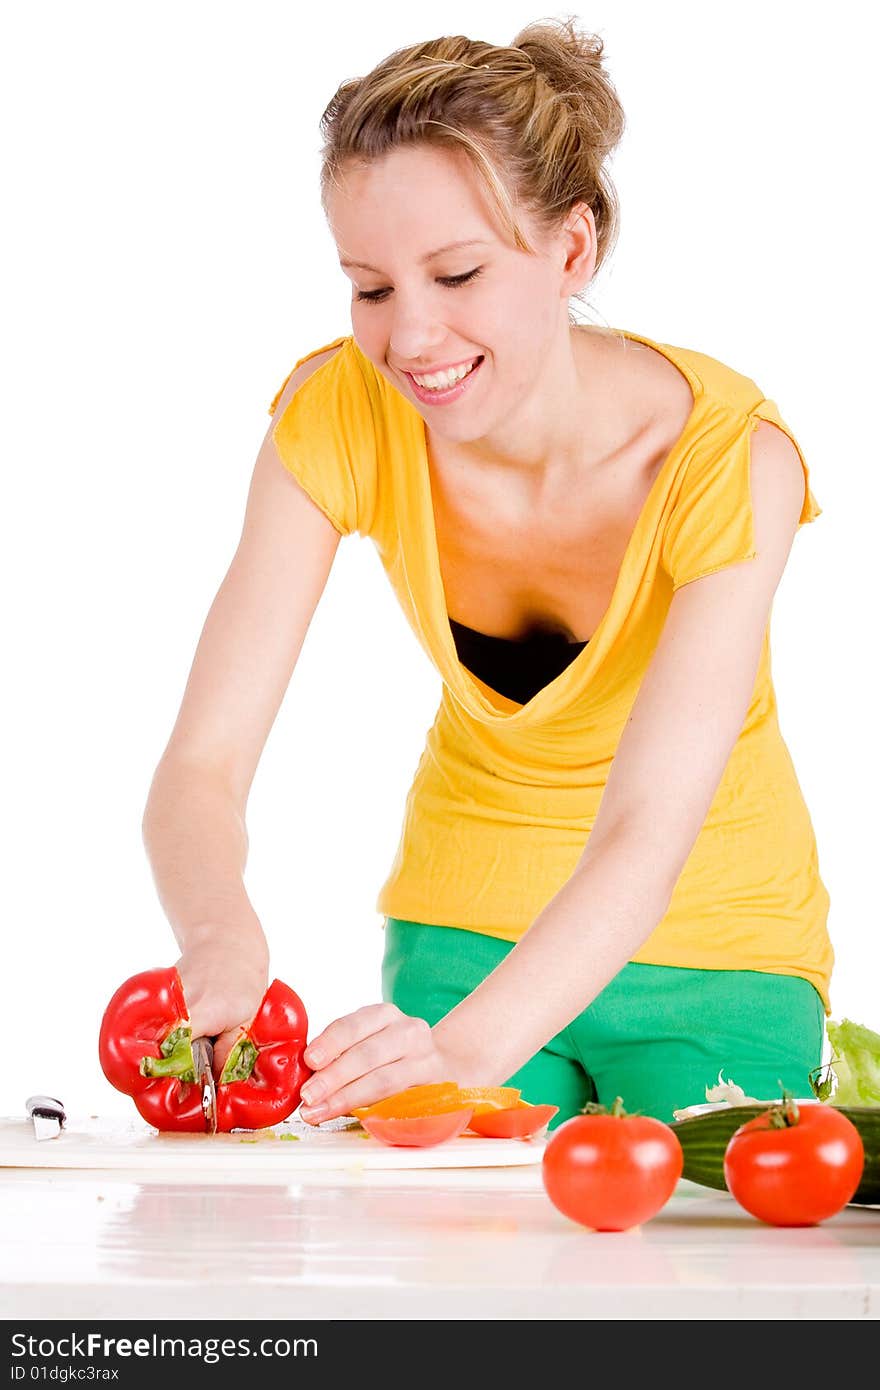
176	1059
240	1062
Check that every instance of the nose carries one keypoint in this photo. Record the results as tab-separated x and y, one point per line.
415	335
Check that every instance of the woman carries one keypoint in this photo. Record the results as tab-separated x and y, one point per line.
607	882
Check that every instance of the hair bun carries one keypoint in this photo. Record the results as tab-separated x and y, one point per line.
539	145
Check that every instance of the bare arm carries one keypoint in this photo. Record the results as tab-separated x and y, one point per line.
194	826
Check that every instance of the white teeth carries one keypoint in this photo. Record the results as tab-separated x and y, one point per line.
437	381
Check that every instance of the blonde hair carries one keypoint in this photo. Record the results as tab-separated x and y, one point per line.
537	119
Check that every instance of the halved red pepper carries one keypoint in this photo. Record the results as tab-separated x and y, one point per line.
519	1121
145	1050
417	1131
265	1072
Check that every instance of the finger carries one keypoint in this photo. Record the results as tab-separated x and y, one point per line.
223	1045
404	1035
406	1039
345	1032
382	1082
376	1051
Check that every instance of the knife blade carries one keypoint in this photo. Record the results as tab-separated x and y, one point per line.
203	1056
48	1115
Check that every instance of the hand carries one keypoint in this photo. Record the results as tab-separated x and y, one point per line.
365	1056
223	983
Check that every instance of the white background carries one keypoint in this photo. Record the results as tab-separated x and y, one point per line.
166	261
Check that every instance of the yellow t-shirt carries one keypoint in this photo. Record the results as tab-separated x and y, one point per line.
505	794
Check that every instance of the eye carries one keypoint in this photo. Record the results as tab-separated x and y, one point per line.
450	281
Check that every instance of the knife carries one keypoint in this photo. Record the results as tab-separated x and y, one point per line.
203	1056
47	1114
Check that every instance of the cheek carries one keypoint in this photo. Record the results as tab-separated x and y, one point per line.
369	333
371	336
526	318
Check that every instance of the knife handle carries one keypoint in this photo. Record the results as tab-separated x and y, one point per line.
45	1105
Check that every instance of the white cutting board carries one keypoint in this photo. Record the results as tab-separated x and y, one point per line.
133	1144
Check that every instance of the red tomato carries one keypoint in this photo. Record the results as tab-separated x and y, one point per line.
517	1122
609	1170
795	1165
417	1131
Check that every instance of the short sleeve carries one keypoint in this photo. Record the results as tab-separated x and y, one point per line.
767	410
711	525
326	438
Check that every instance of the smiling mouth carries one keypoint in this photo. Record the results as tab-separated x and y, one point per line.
461	370
446	389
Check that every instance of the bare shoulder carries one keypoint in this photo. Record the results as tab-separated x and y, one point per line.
778	482
652	391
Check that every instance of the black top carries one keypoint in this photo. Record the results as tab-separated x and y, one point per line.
515	667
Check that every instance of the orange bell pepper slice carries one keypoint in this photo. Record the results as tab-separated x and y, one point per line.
488	1098
435	1099
440	1097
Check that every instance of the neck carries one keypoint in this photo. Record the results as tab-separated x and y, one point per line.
572	418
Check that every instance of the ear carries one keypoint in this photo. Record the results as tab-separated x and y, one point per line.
580	246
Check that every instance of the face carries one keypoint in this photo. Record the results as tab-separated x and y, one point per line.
413	311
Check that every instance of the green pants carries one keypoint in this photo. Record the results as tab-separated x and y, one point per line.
656	1036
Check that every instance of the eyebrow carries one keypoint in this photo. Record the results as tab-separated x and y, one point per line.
423	260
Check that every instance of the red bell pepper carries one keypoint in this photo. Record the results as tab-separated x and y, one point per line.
145	1050
417	1131
265	1072
518	1121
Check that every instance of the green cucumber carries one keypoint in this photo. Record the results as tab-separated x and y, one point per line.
705	1137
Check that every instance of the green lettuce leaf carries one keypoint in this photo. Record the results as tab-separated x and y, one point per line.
855	1061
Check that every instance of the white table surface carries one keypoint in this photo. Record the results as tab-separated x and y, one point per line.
454	1244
